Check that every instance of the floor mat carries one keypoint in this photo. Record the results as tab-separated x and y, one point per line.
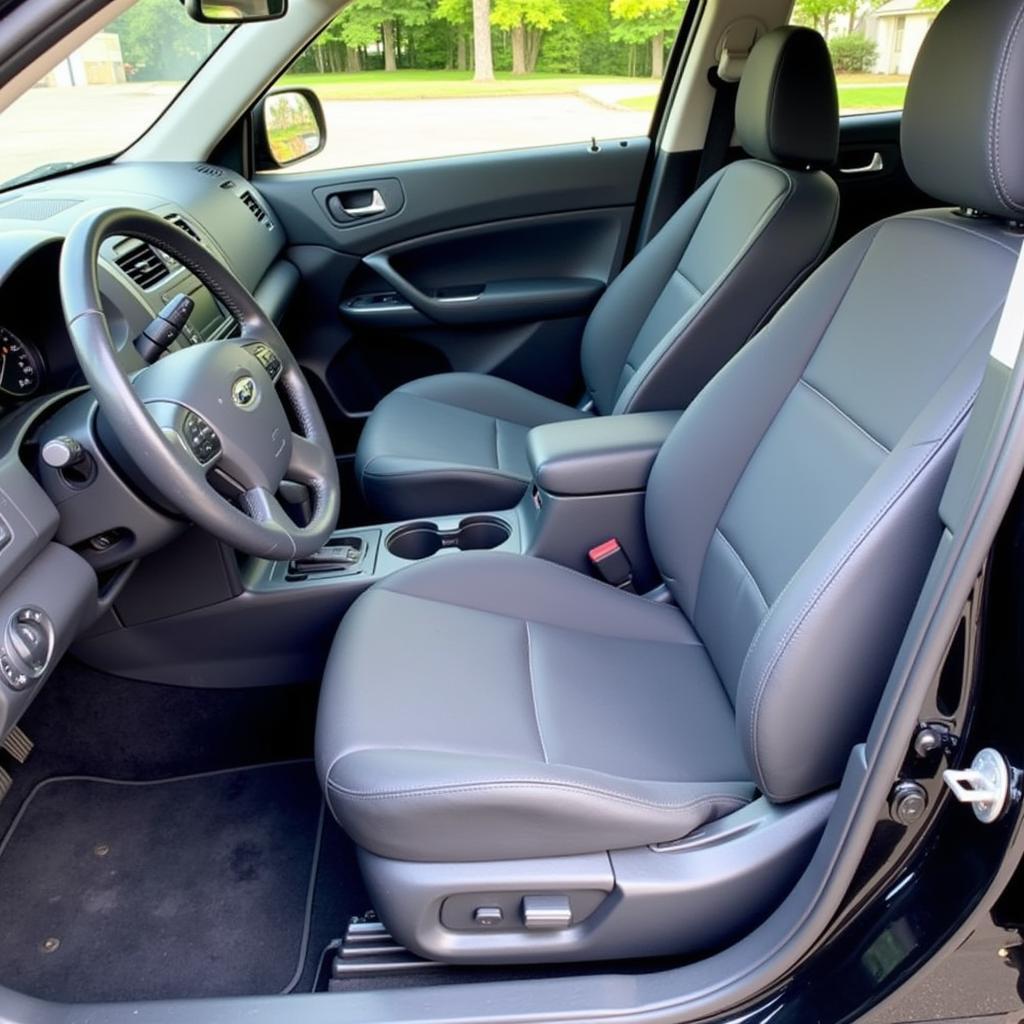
196	886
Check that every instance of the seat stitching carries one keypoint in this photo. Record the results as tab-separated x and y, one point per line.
925	219
693	284
674	335
445	404
743	565
846	416
533	692
994	169
383	585
754	450
542	784
460	467
796	626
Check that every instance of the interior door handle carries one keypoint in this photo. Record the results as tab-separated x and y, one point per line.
875	164
375	205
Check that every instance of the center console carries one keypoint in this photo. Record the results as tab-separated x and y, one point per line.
241	621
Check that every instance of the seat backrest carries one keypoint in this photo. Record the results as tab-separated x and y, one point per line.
794	509
735	249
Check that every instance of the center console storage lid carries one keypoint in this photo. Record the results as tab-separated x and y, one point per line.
602	455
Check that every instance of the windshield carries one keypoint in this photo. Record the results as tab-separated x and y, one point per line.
98	101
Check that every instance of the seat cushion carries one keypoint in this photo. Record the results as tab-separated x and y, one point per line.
455	442
489	706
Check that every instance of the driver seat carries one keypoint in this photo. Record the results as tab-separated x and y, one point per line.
536	766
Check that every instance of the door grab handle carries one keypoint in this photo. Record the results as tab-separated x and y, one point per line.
375	205
875	164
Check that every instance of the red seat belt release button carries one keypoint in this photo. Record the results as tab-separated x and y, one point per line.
611	564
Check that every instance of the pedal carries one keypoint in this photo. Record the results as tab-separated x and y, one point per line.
18	745
368	948
5	783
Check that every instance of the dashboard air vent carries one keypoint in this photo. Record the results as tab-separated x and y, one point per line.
179	222
213	172
257	209
144	266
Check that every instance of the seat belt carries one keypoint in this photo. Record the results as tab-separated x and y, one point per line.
720	126
737	42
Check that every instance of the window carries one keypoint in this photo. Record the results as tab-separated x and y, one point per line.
410	79
99	100
873	46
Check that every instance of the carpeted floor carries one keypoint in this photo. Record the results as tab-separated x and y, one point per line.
145	836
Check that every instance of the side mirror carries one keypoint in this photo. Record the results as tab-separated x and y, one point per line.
235	12
288	126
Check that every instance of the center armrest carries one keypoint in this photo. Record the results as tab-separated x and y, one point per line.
602	455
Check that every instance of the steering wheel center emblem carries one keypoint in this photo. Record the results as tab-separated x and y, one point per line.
244	393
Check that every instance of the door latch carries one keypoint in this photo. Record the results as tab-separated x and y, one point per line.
990	785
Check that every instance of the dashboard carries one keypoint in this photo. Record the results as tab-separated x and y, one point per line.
64	544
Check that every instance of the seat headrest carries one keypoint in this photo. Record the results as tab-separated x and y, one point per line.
963	130
787	110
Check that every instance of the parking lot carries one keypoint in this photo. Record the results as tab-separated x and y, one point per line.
95	121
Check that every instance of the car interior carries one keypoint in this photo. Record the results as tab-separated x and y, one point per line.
502	598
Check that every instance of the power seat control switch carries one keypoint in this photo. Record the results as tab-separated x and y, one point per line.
546	913
27	649
990	785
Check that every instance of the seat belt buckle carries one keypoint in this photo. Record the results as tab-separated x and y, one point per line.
611	564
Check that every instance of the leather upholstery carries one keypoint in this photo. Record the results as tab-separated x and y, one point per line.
674	316
962	133
454	442
496	727
495	706
787	107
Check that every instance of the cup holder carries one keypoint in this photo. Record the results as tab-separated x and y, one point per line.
416	541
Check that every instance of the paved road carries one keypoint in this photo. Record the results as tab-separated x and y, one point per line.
77	124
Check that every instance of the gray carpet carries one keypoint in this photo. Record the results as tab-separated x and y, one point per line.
198	886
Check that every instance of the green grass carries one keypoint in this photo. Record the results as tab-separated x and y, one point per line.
871	97
856	93
851	99
410	85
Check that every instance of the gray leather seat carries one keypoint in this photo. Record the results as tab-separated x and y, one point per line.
721	265
482	707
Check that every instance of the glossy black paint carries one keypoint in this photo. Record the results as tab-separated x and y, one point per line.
918	887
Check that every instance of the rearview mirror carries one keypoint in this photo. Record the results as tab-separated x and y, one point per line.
235	12
288	127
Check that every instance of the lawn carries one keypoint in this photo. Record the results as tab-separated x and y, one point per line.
852	98
414	85
856	92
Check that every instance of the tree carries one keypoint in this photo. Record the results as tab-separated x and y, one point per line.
640	21
459	15
366	22
483	59
527	21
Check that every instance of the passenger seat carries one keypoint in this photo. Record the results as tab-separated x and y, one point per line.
456	442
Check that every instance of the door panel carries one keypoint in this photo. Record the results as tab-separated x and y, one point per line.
873	182
489	264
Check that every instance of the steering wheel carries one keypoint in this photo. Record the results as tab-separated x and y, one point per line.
218	406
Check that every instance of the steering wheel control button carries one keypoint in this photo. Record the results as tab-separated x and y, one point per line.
28	647
201	439
546	913
268	360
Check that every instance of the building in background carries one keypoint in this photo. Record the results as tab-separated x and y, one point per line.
98	62
898	28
